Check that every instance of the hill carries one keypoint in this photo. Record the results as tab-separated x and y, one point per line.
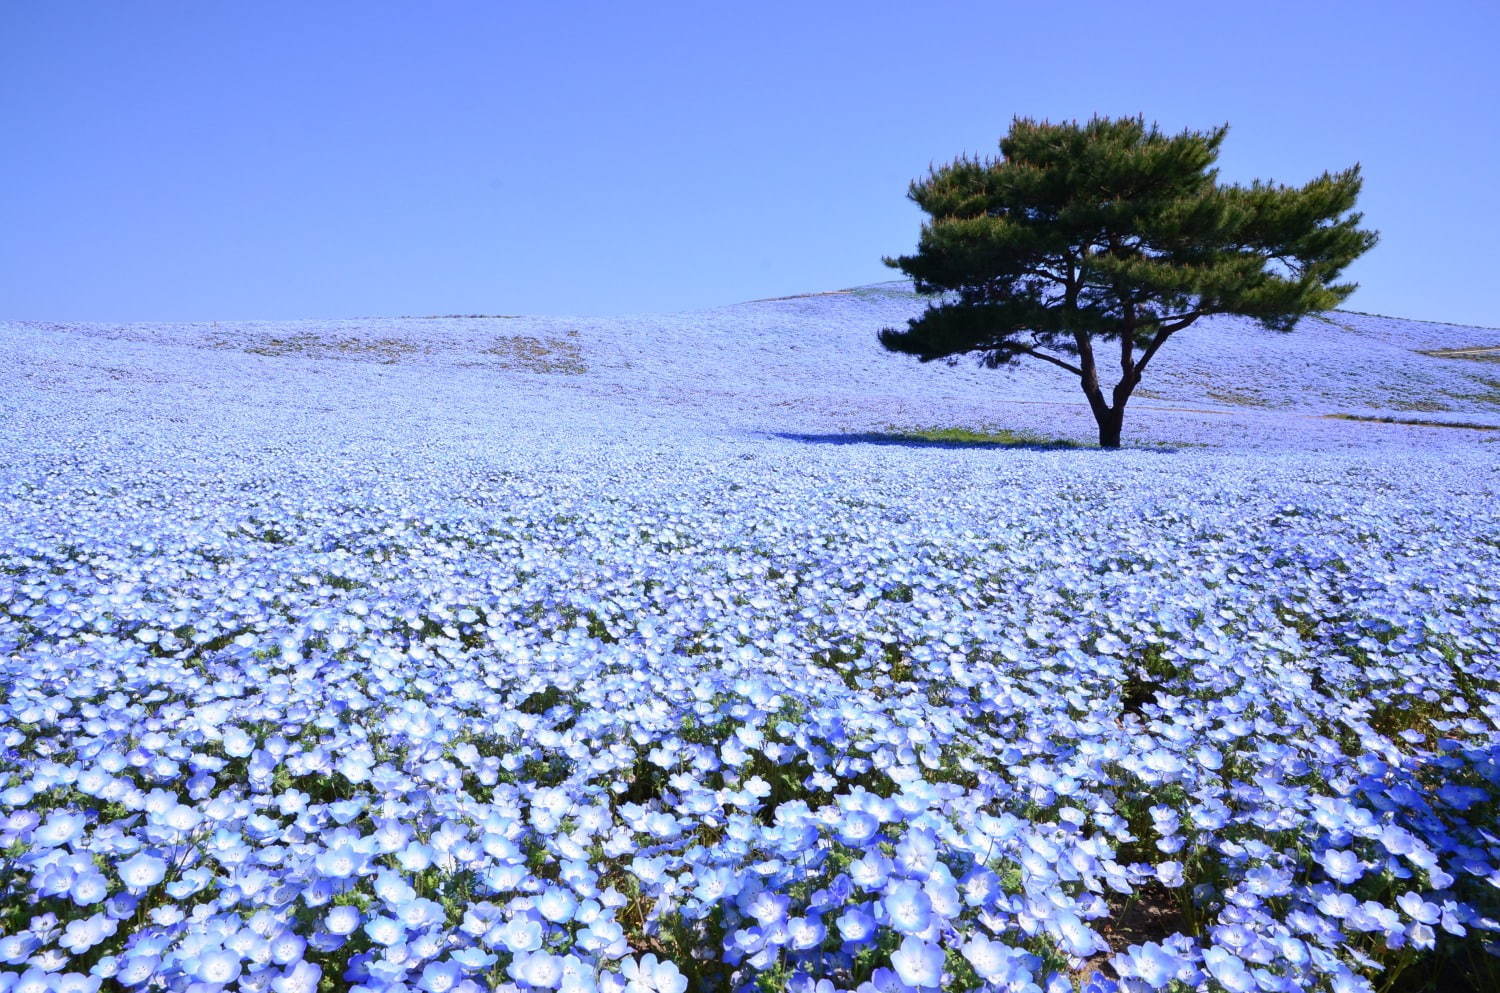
800	365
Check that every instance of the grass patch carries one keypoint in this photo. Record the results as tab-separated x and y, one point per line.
1415	421
1420	406
529	354
1478	353
1342	325
1487	394
314	346
1238	398
804	296
1000	438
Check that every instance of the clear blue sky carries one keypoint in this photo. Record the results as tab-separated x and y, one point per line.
213	160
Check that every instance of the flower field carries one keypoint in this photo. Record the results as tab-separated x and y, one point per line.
383	666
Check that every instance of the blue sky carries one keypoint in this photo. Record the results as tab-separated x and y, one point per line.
202	160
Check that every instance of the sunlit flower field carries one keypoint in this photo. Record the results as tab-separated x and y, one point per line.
660	654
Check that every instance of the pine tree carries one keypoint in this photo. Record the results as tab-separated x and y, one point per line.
1110	233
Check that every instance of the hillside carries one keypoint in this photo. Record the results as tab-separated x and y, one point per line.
800	365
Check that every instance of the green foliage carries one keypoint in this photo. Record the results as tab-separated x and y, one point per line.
1415	421
1111	231
1003	438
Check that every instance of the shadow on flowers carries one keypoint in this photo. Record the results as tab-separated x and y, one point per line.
943	439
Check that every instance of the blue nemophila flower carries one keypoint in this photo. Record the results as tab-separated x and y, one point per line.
1343	866
870	872
521	934
539	969
60	828
15	948
1154	964
83	934
300	977
557	904
1228	970
217	966
473	959
440	977
766	906
394	889
342	920
998	963
136	968
604	937
420	913
907	907
918	963
88	888
804	933
649	975
746	941
34	980
855	925
340	862
856	828
1075	937
385	930
286	947
237	744
1417	908
714	884
140	872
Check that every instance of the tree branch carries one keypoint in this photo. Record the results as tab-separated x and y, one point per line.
1164	331
1054	360
1185	320
1087	370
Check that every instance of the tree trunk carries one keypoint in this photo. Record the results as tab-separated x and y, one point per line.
1110	421
1109	427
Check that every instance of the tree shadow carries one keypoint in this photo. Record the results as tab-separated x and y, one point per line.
904	439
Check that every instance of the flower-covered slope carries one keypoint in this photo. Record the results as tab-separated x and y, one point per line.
478	654
802	364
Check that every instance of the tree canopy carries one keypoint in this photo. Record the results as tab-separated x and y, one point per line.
1083	236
